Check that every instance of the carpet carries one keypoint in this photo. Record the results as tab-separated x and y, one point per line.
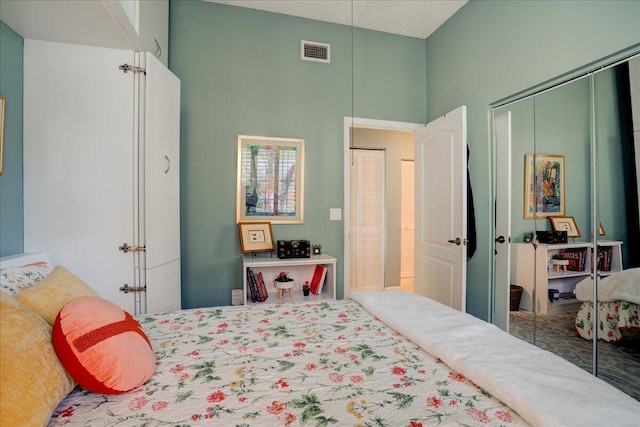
618	364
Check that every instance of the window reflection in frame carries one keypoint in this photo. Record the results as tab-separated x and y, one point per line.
270	180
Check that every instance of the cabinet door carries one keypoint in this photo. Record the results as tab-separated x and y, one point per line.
163	287
153	28
78	162
161	164
161	212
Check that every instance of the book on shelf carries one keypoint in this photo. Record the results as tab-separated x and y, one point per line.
252	285
604	258
262	289
576	257
317	280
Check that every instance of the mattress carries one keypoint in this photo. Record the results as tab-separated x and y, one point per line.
317	364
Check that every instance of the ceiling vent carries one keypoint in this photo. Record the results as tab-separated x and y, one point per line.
314	51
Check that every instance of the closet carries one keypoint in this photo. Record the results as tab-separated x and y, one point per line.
102	160
585	121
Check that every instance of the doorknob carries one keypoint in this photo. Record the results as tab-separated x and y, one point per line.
458	242
501	239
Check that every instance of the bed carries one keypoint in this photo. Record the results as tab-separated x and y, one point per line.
618	305
375	359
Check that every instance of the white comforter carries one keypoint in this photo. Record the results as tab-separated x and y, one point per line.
622	286
543	388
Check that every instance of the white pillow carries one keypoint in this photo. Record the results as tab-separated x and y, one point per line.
20	260
18	272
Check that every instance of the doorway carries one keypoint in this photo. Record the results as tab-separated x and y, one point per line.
396	139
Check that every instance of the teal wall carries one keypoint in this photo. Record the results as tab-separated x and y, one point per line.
491	49
241	73
559	122
11	213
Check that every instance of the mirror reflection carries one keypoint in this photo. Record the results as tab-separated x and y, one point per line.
545	278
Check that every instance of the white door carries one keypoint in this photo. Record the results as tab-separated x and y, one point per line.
408	225
502	174
79	162
160	222
441	209
367	220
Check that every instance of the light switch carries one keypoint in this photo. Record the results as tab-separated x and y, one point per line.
335	214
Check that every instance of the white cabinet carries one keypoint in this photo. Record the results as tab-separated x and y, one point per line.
299	269
102	168
137	25
533	268
150	21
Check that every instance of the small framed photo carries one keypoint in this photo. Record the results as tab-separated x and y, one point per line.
255	237
565	223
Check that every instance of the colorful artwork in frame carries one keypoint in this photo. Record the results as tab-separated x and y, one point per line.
544	186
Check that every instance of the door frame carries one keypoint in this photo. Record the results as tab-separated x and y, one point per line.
359	122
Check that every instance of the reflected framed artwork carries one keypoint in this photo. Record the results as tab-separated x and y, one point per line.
565	223
270	180
544	186
3	102
255	237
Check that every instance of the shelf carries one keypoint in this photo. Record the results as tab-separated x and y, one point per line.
299	269
532	269
563	274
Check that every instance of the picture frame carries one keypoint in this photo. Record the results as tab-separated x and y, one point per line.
544	189
256	237
601	231
270	180
565	223
3	103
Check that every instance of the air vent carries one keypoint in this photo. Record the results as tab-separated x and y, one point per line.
314	51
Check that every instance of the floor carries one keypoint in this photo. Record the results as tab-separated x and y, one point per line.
618	364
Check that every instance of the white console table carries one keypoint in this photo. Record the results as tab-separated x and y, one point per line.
299	269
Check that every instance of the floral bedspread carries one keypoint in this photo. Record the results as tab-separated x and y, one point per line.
612	318
309	364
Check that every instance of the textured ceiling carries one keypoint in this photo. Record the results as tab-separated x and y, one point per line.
413	18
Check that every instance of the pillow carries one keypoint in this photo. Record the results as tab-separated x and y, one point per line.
103	348
33	379
13	280
48	296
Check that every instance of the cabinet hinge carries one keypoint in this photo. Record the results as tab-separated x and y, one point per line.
126	248
126	288
133	68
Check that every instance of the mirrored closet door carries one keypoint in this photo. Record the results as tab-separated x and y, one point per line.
564	162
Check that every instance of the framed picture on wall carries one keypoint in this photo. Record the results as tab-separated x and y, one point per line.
270	180
565	223
544	186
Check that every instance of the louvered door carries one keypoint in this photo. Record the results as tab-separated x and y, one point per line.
367	220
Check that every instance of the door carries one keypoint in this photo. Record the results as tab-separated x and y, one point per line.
79	162
160	221
367	219
441	209
502	167
408	226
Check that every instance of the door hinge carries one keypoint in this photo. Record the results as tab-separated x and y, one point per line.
126	288
126	248
133	68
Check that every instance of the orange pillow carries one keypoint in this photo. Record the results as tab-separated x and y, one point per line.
102	347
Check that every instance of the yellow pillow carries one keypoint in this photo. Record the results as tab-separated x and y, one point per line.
33	379
48	296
